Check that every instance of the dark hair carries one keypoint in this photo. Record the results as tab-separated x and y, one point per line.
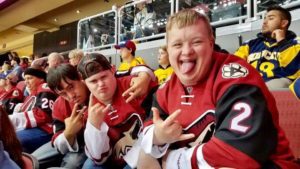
132	52
59	73
10	141
17	59
92	63
285	14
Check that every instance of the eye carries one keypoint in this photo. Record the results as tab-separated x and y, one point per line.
176	45
196	42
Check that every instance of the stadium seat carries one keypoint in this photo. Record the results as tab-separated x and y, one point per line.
30	162
289	117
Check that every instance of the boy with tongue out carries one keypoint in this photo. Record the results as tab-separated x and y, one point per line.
214	112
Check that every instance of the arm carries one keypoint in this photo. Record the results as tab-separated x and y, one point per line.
295	87
95	134
243	51
12	100
38	115
245	133
140	84
66	130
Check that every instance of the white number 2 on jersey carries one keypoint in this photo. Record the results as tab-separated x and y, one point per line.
244	111
47	103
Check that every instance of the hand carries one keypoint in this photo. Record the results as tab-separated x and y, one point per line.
74	123
169	130
138	87
278	34
96	113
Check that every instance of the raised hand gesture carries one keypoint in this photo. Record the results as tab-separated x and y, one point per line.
168	130
96	112
138	87
74	123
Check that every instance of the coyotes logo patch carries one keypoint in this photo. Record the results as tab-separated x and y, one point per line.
234	70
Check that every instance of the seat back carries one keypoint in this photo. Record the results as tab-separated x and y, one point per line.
289	117
30	162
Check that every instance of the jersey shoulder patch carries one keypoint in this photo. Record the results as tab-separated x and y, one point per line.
234	70
16	93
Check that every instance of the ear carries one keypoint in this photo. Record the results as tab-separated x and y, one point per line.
284	23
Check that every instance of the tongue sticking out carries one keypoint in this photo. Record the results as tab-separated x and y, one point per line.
186	67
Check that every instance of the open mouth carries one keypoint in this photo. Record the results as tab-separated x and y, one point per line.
187	65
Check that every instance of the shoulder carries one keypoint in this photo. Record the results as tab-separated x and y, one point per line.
44	88
231	70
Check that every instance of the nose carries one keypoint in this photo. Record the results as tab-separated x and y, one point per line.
71	95
187	49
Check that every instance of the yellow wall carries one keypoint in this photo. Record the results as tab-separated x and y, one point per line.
25	50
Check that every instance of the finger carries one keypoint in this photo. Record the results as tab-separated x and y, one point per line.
156	116
128	91
74	111
106	108
82	110
172	118
91	100
186	137
131	97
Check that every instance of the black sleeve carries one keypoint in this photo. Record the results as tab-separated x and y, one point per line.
10	104
45	101
162	113
244	121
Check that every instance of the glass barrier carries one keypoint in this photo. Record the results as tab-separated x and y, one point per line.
97	31
218	11
262	5
144	19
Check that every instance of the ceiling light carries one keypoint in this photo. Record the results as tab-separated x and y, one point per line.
78	11
55	20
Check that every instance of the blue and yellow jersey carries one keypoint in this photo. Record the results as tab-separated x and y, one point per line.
273	60
295	88
136	61
162	74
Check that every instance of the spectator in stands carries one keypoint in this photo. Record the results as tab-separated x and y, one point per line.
32	119
2	83
9	143
144	20
113	125
24	63
215	111
6	68
17	68
75	56
295	87
55	59
68	114
165	70
72	91
41	62
127	50
275	53
12	95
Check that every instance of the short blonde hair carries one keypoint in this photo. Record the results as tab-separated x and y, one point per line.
187	17
164	48
76	53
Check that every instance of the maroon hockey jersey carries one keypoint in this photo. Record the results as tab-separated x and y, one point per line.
62	109
123	123
9	99
233	116
36	110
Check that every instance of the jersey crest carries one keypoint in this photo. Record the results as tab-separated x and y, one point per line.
15	93
234	70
